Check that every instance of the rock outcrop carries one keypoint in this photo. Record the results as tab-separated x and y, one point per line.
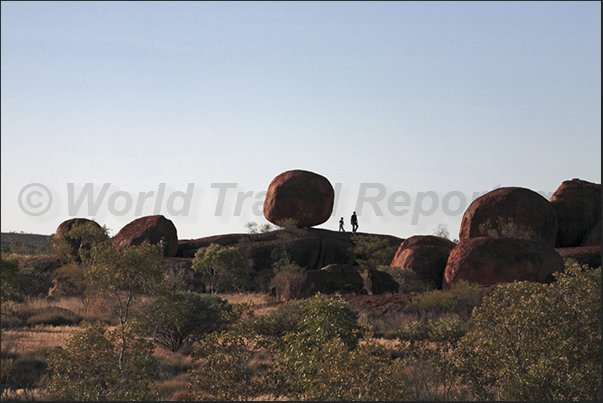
577	204
488	261
311	248
303	197
426	255
511	212
152	229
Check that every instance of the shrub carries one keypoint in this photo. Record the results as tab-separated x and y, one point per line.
179	317
532	341
426	355
372	251
10	279
506	229
408	280
101	365
33	283
460	300
283	319
323	359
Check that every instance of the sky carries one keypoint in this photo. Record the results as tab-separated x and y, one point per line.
116	110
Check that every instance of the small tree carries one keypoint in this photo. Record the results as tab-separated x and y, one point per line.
73	280
125	274
179	317
91	367
323	359
221	268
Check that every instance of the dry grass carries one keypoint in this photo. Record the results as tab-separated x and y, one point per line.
39	337
260	305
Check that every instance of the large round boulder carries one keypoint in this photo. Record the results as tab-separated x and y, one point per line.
511	212
66	226
426	255
489	261
303	197
577	204
155	229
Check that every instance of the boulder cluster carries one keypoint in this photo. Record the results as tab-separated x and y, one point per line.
508	234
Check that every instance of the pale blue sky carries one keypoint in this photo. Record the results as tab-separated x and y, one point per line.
417	97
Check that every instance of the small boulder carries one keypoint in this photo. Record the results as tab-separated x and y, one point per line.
426	255
489	261
155	229
305	285
301	196
344	278
510	212
331	279
381	282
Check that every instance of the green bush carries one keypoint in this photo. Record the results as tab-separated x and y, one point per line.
425	355
103	365
320	360
532	341
9	283
34	283
407	279
176	318
435	301
283	319
461	299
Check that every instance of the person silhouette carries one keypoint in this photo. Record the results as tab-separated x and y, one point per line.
341	225
354	221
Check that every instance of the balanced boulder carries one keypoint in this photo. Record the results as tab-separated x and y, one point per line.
511	212
426	255
155	229
489	261
302	197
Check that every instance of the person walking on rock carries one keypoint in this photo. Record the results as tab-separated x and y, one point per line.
354	222
341	225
